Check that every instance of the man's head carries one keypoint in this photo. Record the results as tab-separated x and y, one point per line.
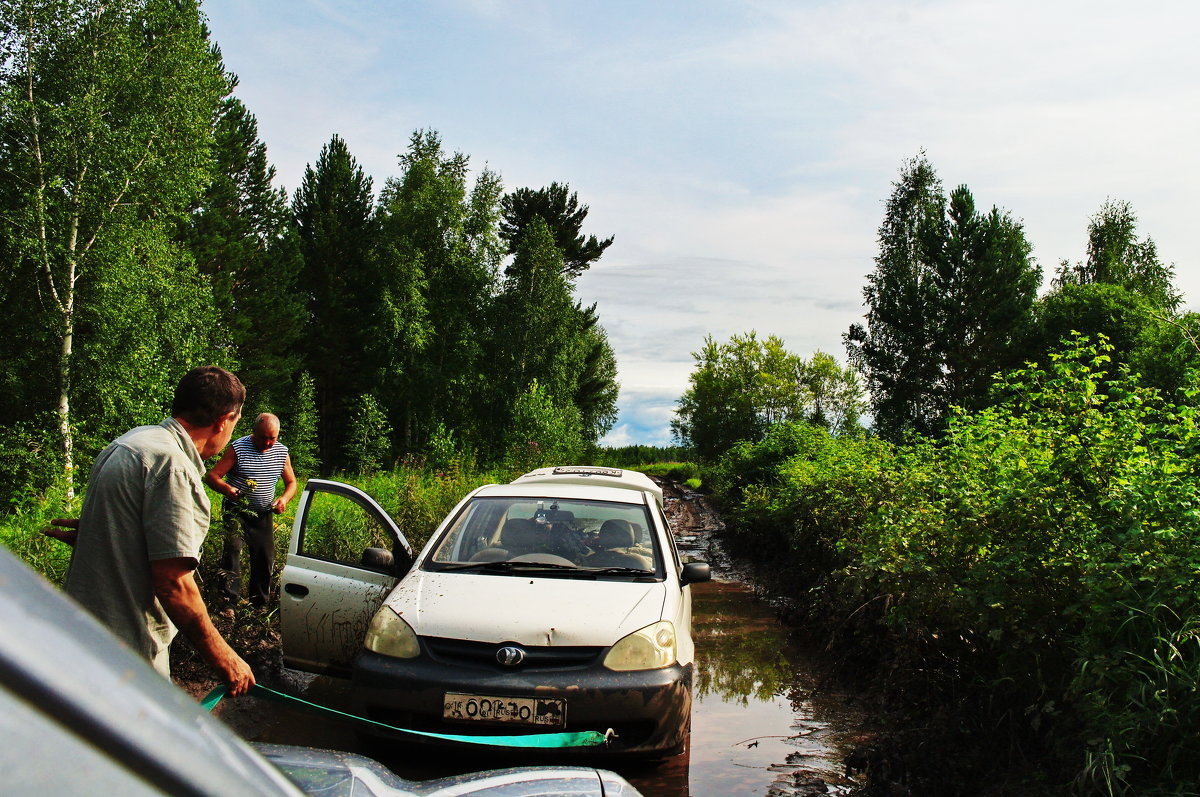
209	398
266	431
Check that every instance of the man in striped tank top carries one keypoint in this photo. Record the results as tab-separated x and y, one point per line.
246	475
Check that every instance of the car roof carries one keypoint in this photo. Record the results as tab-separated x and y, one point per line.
590	476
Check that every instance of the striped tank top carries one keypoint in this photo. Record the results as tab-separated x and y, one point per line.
264	467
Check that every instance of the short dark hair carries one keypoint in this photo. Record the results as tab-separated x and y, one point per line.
205	394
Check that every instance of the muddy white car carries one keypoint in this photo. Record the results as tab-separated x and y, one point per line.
555	603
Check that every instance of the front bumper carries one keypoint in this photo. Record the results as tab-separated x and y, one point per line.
647	709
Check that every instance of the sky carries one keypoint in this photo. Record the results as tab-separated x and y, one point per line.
740	153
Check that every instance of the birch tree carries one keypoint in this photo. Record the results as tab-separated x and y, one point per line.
105	125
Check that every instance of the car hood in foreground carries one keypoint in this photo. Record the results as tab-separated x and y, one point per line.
529	610
336	774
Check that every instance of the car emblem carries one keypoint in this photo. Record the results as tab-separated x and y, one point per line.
510	656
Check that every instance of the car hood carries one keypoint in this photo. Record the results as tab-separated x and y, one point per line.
528	610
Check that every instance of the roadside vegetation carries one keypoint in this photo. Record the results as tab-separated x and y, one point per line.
1007	556
1024	588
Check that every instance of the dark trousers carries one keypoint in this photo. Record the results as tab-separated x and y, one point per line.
255	530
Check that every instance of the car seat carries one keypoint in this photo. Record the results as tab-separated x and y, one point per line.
616	535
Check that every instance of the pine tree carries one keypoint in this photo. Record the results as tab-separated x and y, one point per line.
336	230
242	236
559	208
947	305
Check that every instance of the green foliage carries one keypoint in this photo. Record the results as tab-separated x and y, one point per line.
558	207
596	379
336	228
740	389
637	456
244	243
1033	573
27	458
801	490
340	531
1162	348
368	436
674	471
302	425
21	523
946	305
542	432
439	254
1115	256
105	118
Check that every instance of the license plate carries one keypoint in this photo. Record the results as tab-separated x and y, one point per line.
545	712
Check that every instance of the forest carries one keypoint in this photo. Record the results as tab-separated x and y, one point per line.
143	233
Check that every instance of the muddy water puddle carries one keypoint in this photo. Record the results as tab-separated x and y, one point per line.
766	718
762	721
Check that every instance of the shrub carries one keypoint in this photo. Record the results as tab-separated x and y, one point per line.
1031	576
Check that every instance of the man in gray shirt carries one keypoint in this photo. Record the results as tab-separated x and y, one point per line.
144	518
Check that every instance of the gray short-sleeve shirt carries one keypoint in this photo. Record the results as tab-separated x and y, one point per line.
145	501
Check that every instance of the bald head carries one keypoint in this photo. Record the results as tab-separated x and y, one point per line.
266	431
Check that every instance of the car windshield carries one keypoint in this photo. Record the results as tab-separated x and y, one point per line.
559	535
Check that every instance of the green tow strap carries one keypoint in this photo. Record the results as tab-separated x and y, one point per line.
543	740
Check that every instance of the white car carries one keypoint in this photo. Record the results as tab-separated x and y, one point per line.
555	603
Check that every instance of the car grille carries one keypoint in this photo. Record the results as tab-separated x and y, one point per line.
483	654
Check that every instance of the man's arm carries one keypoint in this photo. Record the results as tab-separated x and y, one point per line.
175	587
289	487
215	478
63	529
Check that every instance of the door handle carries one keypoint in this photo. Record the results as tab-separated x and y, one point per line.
299	590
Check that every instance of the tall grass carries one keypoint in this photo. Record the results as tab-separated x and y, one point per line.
416	497
20	532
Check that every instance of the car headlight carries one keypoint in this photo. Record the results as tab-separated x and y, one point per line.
650	648
390	635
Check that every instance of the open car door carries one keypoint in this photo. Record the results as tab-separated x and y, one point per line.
345	555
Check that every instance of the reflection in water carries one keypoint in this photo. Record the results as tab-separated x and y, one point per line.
739	648
757	723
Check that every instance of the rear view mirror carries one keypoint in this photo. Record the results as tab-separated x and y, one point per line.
695	572
379	559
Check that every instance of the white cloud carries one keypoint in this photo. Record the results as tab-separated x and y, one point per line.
741	153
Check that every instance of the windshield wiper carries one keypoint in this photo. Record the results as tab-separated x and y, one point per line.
504	564
637	571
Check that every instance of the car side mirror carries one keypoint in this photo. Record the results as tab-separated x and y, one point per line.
379	559
695	572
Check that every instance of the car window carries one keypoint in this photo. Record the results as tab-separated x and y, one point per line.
581	533
339	530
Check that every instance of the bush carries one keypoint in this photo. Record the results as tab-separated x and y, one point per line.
367	447
800	491
1031	577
